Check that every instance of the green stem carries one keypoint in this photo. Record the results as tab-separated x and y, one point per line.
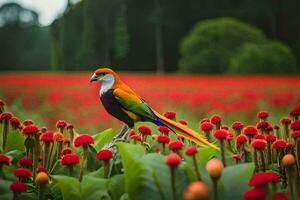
269	153
42	192
215	186
84	162
255	160
46	153
173	182
262	159
5	133
196	168
222	146
71	170
16	195
298	154
106	168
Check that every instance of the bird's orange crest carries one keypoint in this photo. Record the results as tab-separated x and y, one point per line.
106	71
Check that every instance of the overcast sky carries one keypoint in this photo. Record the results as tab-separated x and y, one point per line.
48	10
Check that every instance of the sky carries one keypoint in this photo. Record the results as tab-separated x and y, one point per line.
48	10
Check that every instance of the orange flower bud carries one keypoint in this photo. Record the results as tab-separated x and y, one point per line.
42	178
288	160
196	191
214	168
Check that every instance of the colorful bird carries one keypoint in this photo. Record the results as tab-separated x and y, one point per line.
123	103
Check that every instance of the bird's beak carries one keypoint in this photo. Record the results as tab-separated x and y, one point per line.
94	78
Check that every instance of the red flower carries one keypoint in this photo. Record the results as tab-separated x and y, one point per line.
279	144
173	160
279	196
204	120
70	126
163	139
262	125
269	128
220	134
15	122
262	178
170	115
22	172
183	122
236	157
25	162
225	127
163	129
4	160
175	145
41	169
250	130
83	139
104	154
131	132
136	137
259	144
67	141
262	115
259	136
237	125
61	124
27	122
270	138
30	130
191	150
295	125
66	151
255	194
241	139
144	130
206	126
215	119
18	186
276	127
295	111
70	159
295	134
5	115
229	137
157	150
47	137
289	146
285	120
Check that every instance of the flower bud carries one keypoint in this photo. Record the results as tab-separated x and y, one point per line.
196	191
214	168
42	178
288	160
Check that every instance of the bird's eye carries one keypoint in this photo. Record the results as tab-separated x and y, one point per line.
102	74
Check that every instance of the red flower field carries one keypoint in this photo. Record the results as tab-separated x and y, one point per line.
192	97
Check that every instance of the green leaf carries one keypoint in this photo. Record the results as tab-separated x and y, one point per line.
102	138
15	141
69	186
117	186
5	193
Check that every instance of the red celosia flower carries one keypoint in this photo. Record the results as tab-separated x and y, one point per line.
30	130
269	128
285	120
262	178
225	127
131	132
22	172
229	137
163	139
295	111
4	160
41	169
220	134
104	154
241	139
163	129
276	127
259	136
66	151
259	144
289	146
237	125
206	126
295	125
270	138
18	186
183	122
25	162
67	141
250	130
173	160
175	145
191	150
27	122
136	137
262	115
262	125
15	122
215	119
279	144
170	115
83	139
236	157
5	115
70	159
70	126
255	194
204	120
61	124
144	130
295	134
279	196
47	137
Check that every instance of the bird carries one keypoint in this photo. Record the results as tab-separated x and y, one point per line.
120	101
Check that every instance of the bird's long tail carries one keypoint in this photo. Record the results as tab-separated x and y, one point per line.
185	131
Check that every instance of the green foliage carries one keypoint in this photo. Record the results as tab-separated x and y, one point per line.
211	43
103	138
15	141
271	57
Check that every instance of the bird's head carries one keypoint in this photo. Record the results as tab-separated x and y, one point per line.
104	75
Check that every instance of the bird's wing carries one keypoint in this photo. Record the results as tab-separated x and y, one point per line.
131	102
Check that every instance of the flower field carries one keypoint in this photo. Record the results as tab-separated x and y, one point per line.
50	149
